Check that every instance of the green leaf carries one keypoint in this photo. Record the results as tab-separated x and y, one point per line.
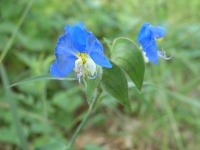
52	146
114	82
92	84
41	77
127	55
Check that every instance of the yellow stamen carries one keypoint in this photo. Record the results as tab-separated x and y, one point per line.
85	65
159	40
83	56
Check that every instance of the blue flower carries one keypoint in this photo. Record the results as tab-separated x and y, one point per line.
147	38
78	50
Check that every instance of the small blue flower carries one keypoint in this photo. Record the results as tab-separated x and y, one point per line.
147	38
78	50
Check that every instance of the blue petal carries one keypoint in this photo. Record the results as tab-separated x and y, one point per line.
65	46
142	30
93	44
95	50
145	35
100	59
61	69
78	36
65	57
151	52
158	32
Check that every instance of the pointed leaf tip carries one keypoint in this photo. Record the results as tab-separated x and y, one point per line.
41	77
114	83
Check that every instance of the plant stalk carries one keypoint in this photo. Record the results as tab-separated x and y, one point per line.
84	120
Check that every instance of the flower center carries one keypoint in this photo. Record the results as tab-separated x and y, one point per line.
159	40
83	57
85	65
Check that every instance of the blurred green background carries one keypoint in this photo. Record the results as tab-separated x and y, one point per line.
165	115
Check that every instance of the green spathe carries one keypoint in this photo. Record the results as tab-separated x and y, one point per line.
91	85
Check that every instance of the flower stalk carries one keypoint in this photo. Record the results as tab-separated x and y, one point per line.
81	125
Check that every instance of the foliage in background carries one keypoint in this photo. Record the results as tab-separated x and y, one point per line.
164	115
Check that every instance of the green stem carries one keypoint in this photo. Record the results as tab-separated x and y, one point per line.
13	109
84	120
